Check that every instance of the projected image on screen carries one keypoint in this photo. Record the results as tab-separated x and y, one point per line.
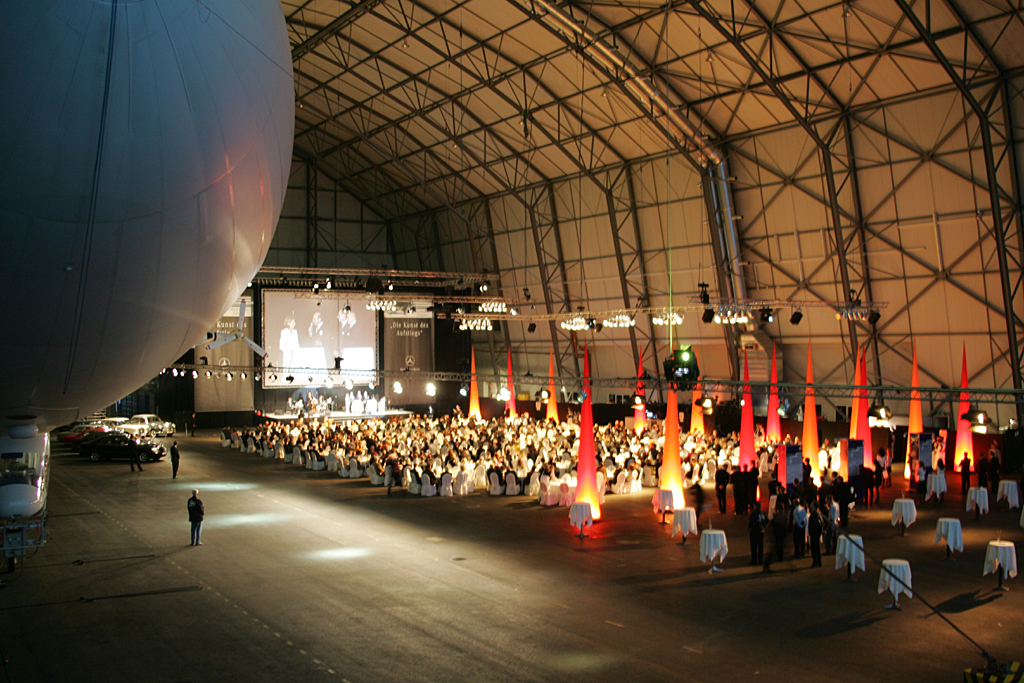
304	337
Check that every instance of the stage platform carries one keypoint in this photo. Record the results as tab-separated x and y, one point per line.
336	415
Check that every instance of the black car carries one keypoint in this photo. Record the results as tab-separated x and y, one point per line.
120	445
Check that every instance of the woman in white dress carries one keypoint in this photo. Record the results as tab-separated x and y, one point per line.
289	341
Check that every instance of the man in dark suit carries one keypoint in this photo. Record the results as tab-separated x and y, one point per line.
721	484
175	457
965	474
739	491
981	466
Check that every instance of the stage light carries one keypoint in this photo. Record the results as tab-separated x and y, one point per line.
174	372
209	374
203	360
337	362
545	394
195	374
391	286
717	318
766	315
526	293
244	375
874	316
289	379
514	311
273	378
371	385
796	317
229	377
348	309
975	416
329	383
463	390
348	384
483	287
705	298
397	387
328	283
309	379
256	377
638	400
709	315
431	389
707	403
686	356
531	328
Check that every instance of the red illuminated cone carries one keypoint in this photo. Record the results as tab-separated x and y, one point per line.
671	466
810	434
774	425
640	410
964	437
855	405
474	393
586	465
747	456
916	422
510	404
552	413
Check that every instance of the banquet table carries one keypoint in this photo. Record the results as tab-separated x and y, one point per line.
663	501
850	553
685	522
713	544
896	582
1008	490
1001	554
904	512
949	528
977	500
580	515
936	485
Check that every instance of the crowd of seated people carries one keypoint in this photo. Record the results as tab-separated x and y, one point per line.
455	455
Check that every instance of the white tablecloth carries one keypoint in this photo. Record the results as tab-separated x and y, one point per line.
886	582
949	528
1001	554
936	484
712	545
580	515
848	552
1008	490
663	501
684	521
904	509
977	497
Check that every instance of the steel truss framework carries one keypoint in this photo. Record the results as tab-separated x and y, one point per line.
870	152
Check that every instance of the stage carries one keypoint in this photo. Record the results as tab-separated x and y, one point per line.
336	415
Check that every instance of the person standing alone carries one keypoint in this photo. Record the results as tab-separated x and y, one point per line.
195	515
175	457
135	460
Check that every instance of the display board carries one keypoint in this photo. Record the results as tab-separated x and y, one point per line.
217	393
303	336
409	345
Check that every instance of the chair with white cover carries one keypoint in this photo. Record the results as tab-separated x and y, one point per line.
308	459
480	476
633	482
332	461
389	478
511	485
649	478
318	464
462	482
375	479
413	486
565	498
426	488
533	486
496	488
252	444
234	440
619	486
602	485
225	443
294	456
548	492
354	472
446	484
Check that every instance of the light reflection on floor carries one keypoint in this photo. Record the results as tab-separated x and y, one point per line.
260	519
338	554
213	486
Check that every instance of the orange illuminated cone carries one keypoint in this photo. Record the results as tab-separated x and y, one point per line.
964	436
915	423
510	404
671	466
640	410
746	420
697	409
774	425
586	464
810	434
552	413
474	393
863	425
855	405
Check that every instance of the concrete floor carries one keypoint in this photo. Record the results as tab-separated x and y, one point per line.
307	577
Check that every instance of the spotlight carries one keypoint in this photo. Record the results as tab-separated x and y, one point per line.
348	309
545	394
766	315
598	327
514	311
337	362
717	318
289	379
638	400
371	385
391	286
174	372
526	293
348	384
975	416
316	287
209	374
431	389
483	287
203	360
329	383
707	403
531	328
709	315
463	391
796	317
874	316
229	377
244	375
705	298
273	378
686	356
309	379
195	374
397	387
256	377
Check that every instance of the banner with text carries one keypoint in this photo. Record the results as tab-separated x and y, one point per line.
217	392
408	345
